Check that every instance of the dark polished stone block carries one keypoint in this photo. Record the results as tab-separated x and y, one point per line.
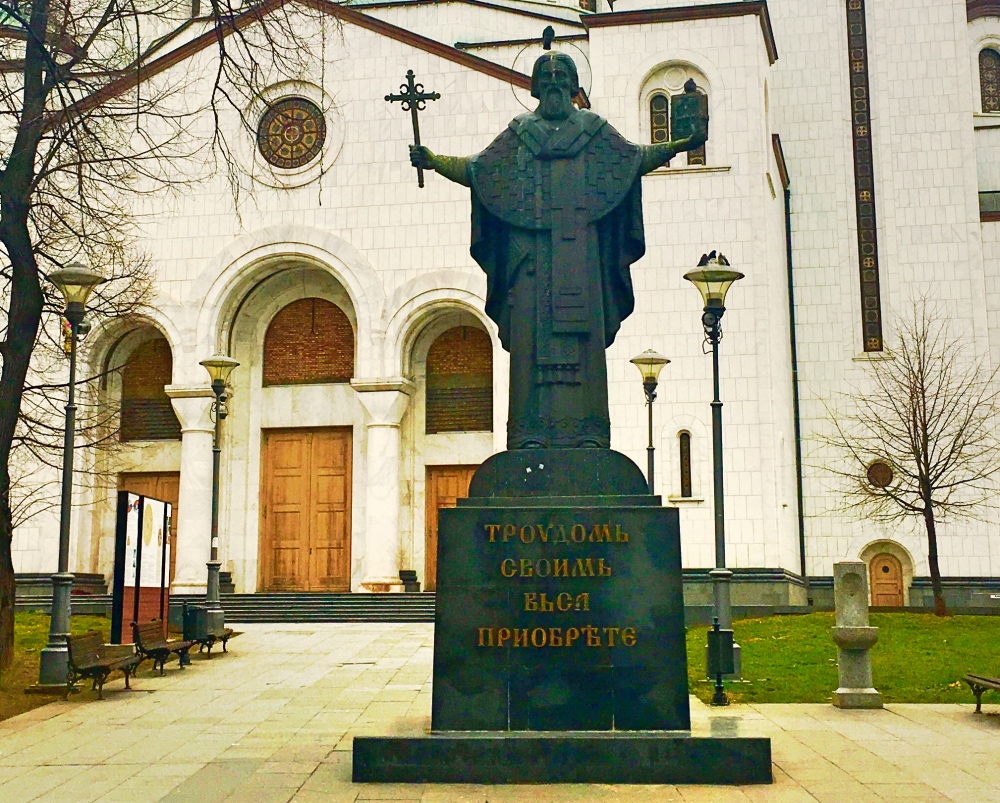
555	618
559	641
558	472
489	758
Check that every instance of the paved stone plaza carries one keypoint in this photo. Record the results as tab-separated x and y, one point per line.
273	721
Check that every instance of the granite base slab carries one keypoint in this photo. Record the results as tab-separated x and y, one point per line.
568	757
857	698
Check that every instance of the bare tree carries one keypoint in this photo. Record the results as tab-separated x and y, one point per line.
920	440
93	117
36	453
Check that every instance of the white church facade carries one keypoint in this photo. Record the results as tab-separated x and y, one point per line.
852	166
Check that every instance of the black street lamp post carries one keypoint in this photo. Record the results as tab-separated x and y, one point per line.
219	368
75	282
649	363
713	279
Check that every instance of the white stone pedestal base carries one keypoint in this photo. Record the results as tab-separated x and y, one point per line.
380	585
857	698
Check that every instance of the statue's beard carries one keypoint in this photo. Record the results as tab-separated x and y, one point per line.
555	105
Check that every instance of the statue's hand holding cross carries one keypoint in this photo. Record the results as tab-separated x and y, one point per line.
414	100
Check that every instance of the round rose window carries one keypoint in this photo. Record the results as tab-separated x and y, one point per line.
291	133
880	474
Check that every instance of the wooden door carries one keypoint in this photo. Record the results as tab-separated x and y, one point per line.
330	503
886	581
162	485
445	486
306	510
285	511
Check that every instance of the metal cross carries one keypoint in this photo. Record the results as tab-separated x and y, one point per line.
414	100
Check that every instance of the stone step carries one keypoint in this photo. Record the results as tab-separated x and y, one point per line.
285	607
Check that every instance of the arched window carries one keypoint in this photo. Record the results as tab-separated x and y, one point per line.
311	341
659	118
663	86
989	79
460	382
147	414
684	444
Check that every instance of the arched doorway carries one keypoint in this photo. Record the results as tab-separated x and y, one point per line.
886	577
453	416
305	541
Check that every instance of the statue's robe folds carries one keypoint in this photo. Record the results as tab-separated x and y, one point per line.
556	223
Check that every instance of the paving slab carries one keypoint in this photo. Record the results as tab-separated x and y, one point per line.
273	721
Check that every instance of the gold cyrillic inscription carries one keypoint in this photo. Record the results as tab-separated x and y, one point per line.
556	533
559	567
539	637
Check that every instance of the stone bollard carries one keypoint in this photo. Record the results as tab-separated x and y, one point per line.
853	637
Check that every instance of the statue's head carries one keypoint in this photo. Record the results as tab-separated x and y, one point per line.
554	81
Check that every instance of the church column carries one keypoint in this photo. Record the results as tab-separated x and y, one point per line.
385	403
193	406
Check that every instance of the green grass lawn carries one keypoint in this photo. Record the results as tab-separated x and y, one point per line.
31	634
919	658
31	629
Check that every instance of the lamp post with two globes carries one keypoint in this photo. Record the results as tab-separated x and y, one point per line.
75	282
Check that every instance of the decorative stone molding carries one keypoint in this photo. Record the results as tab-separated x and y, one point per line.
685	13
193	406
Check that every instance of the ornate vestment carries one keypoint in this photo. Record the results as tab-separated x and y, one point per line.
556	223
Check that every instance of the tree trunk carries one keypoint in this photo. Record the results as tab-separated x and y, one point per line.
932	558
6	577
25	299
23	319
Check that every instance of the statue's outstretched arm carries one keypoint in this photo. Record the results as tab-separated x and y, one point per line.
453	168
654	156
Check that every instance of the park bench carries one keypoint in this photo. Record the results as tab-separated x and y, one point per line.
979	684
90	657
197	629
150	643
209	639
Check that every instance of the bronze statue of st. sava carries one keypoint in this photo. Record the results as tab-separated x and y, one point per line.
556	224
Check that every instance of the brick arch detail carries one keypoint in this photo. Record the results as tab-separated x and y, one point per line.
146	411
308	342
420	303
258	255
460	381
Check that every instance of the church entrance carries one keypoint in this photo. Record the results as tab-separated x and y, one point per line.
162	485
445	486
305	542
886	581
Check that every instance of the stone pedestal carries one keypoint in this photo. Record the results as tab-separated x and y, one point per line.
559	641
853	637
560	619
540	758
